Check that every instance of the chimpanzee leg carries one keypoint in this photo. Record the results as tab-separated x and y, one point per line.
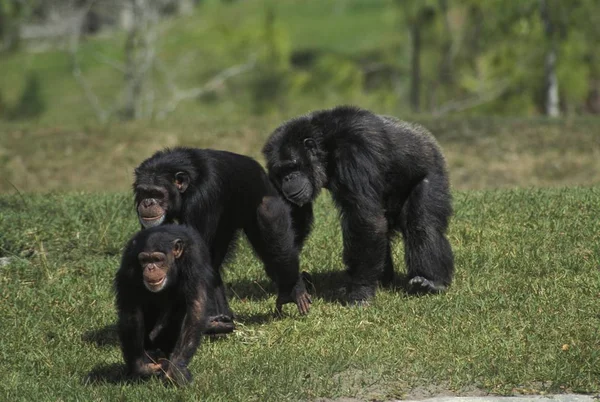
273	239
428	254
366	249
220	316
175	368
387	278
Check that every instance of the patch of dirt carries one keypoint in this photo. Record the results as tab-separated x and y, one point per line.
442	390
375	392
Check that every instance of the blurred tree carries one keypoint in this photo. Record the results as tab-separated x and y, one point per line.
272	79
12	13
418	15
140	54
554	25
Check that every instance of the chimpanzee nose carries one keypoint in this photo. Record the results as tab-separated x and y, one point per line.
148	202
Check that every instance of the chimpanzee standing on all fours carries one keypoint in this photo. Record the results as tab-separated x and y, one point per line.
385	176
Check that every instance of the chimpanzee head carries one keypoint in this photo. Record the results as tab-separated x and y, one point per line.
160	251
160	185
158	259
295	156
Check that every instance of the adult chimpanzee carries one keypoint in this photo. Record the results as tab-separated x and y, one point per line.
384	175
163	290
218	193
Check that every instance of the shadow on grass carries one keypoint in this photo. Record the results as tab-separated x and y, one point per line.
108	335
329	286
103	337
115	373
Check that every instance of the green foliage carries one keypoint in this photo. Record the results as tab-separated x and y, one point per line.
573	73
477	58
523	308
335	77
272	81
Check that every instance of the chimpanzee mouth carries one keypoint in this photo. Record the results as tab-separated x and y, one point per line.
148	222
156	285
300	197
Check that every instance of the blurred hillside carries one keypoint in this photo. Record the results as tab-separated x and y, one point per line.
80	61
89	88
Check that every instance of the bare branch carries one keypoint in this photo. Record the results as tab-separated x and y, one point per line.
474	101
120	67
101	114
213	84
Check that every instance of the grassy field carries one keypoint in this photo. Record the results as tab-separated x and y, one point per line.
521	317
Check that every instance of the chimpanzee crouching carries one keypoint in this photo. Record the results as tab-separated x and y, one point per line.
163	289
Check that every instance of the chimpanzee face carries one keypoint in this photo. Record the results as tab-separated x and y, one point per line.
294	160
159	266
158	196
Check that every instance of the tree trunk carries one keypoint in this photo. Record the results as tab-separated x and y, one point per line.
446	74
140	55
552	108
415	83
552	97
185	7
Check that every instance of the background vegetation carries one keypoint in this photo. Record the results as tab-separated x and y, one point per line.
88	89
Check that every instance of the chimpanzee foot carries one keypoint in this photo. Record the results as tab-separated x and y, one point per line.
387	279
419	285
360	295
219	324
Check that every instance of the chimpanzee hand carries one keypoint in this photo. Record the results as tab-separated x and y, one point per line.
175	373
148	365
299	295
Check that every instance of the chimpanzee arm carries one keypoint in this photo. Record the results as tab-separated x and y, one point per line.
357	190
189	339
302	220
274	240
132	333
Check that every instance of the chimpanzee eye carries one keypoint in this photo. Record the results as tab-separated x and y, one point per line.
180	177
309	143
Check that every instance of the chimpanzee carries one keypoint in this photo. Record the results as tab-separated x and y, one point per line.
164	289
384	175
219	193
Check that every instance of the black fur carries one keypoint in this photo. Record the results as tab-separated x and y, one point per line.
385	176
163	328
219	193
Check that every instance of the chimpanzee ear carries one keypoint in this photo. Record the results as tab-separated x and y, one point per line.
177	248
182	180
310	144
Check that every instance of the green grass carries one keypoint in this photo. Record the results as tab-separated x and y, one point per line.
521	316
